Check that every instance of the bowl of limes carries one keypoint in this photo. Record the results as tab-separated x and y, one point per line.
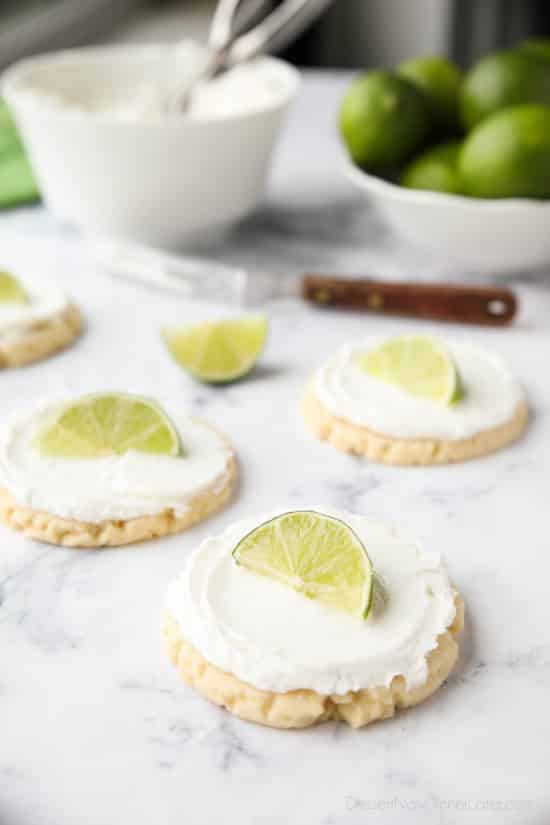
458	163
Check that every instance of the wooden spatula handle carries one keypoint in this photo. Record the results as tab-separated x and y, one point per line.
442	302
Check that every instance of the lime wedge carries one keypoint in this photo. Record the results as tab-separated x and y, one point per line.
110	424
418	365
316	555
11	291
218	351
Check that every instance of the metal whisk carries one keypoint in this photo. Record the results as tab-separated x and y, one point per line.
236	36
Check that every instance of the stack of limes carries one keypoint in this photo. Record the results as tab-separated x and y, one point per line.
485	134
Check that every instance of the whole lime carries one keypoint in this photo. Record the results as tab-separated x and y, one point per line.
384	119
508	155
538	45
503	79
440	80
435	169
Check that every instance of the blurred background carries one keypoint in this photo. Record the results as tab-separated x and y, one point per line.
352	34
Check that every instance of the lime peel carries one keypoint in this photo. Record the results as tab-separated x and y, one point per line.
317	555
108	424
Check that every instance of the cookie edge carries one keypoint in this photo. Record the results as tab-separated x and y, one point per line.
52	529
42	339
303	708
352	438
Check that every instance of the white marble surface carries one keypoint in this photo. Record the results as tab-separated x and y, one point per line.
96	728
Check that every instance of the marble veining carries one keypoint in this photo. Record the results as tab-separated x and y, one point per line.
95	726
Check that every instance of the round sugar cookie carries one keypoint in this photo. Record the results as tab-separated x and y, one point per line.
41	339
246	636
52	529
358	440
303	708
361	414
114	498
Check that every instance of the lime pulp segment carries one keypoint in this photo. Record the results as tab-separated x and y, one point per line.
419	365
218	351
314	554
108	424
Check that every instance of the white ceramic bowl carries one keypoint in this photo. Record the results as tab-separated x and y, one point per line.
473	234
160	181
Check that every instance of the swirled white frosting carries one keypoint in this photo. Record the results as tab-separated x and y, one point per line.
491	396
276	639
46	301
112	487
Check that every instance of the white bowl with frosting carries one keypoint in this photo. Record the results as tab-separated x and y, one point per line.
113	157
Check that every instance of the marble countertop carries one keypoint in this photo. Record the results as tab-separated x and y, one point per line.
96	728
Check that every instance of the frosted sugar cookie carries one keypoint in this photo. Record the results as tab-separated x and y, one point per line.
301	617
110	469
415	400
36	320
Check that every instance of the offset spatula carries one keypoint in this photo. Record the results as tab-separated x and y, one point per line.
212	281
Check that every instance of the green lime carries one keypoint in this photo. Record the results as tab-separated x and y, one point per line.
435	169
539	46
109	424
440	80
218	351
11	291
384	119
503	79
508	155
316	555
416	364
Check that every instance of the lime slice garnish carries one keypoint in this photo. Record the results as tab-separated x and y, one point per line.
109	424
316	555
218	351
11	291
418	365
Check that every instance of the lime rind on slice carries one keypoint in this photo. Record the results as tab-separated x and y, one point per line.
108	424
314	554
418	365
11	291
218	351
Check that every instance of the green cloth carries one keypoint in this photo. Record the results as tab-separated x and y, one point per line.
17	183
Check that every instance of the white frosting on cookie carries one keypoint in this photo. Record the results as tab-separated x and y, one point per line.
491	396
276	639
113	487
46	301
